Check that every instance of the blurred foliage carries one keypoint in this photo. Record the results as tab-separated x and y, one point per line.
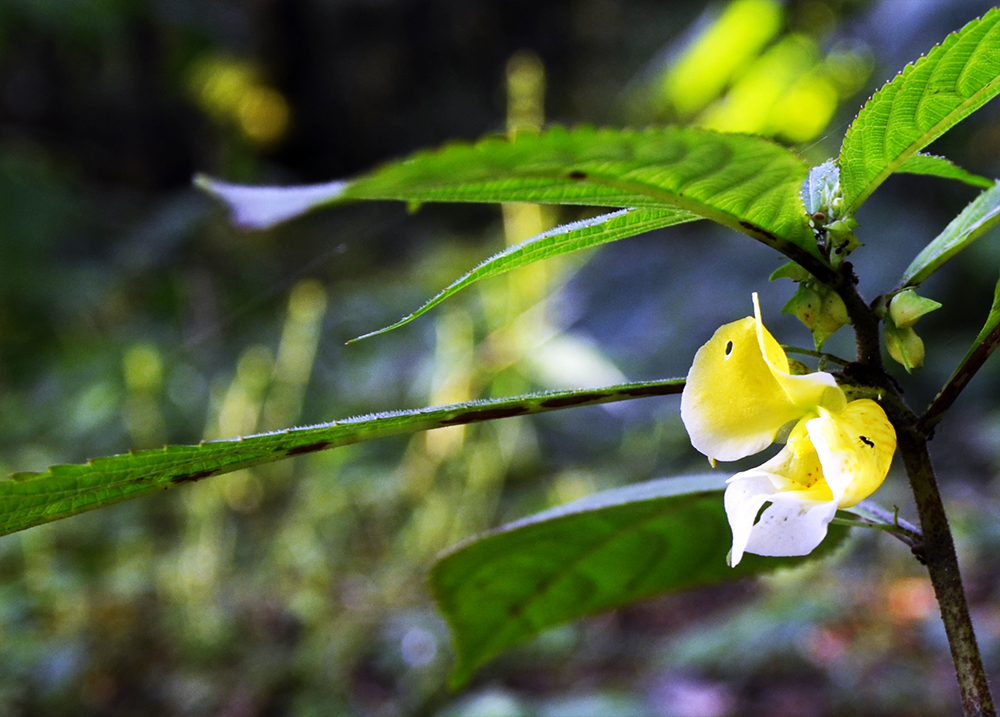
131	314
749	71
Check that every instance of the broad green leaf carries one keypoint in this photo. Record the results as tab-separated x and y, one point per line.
935	166
974	221
561	240
610	549
748	183
920	104
28	499
982	348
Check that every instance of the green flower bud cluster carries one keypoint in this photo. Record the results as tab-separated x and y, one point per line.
901	340
824	204
817	306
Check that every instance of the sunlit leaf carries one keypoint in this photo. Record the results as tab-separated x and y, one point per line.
936	166
919	105
561	240
975	220
747	183
28	499
607	550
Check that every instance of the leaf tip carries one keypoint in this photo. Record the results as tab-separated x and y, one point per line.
252	207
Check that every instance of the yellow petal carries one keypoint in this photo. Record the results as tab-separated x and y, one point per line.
739	392
855	447
806	391
797	469
732	405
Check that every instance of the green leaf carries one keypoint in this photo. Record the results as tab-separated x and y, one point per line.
607	550
748	183
28	499
561	240
935	166
920	104
974	221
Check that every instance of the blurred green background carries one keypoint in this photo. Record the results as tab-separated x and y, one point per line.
132	315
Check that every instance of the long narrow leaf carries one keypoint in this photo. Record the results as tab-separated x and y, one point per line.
28	499
935	166
741	181
974	221
607	550
920	104
561	240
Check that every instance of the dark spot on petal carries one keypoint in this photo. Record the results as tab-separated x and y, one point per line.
308	448
867	441
729	348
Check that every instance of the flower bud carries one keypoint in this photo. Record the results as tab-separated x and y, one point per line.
806	304
904	346
832	316
906	307
840	240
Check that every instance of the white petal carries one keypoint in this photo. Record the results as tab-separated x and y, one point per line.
745	495
797	518
790	526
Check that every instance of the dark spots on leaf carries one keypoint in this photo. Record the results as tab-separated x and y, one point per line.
757	230
729	349
642	391
308	448
564	401
487	415
577	175
193	477
867	441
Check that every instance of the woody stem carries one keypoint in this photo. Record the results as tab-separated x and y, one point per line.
942	564
938	544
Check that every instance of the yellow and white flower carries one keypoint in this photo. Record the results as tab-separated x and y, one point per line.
740	398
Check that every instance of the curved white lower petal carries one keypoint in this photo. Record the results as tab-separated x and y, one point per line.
745	496
801	503
790	526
